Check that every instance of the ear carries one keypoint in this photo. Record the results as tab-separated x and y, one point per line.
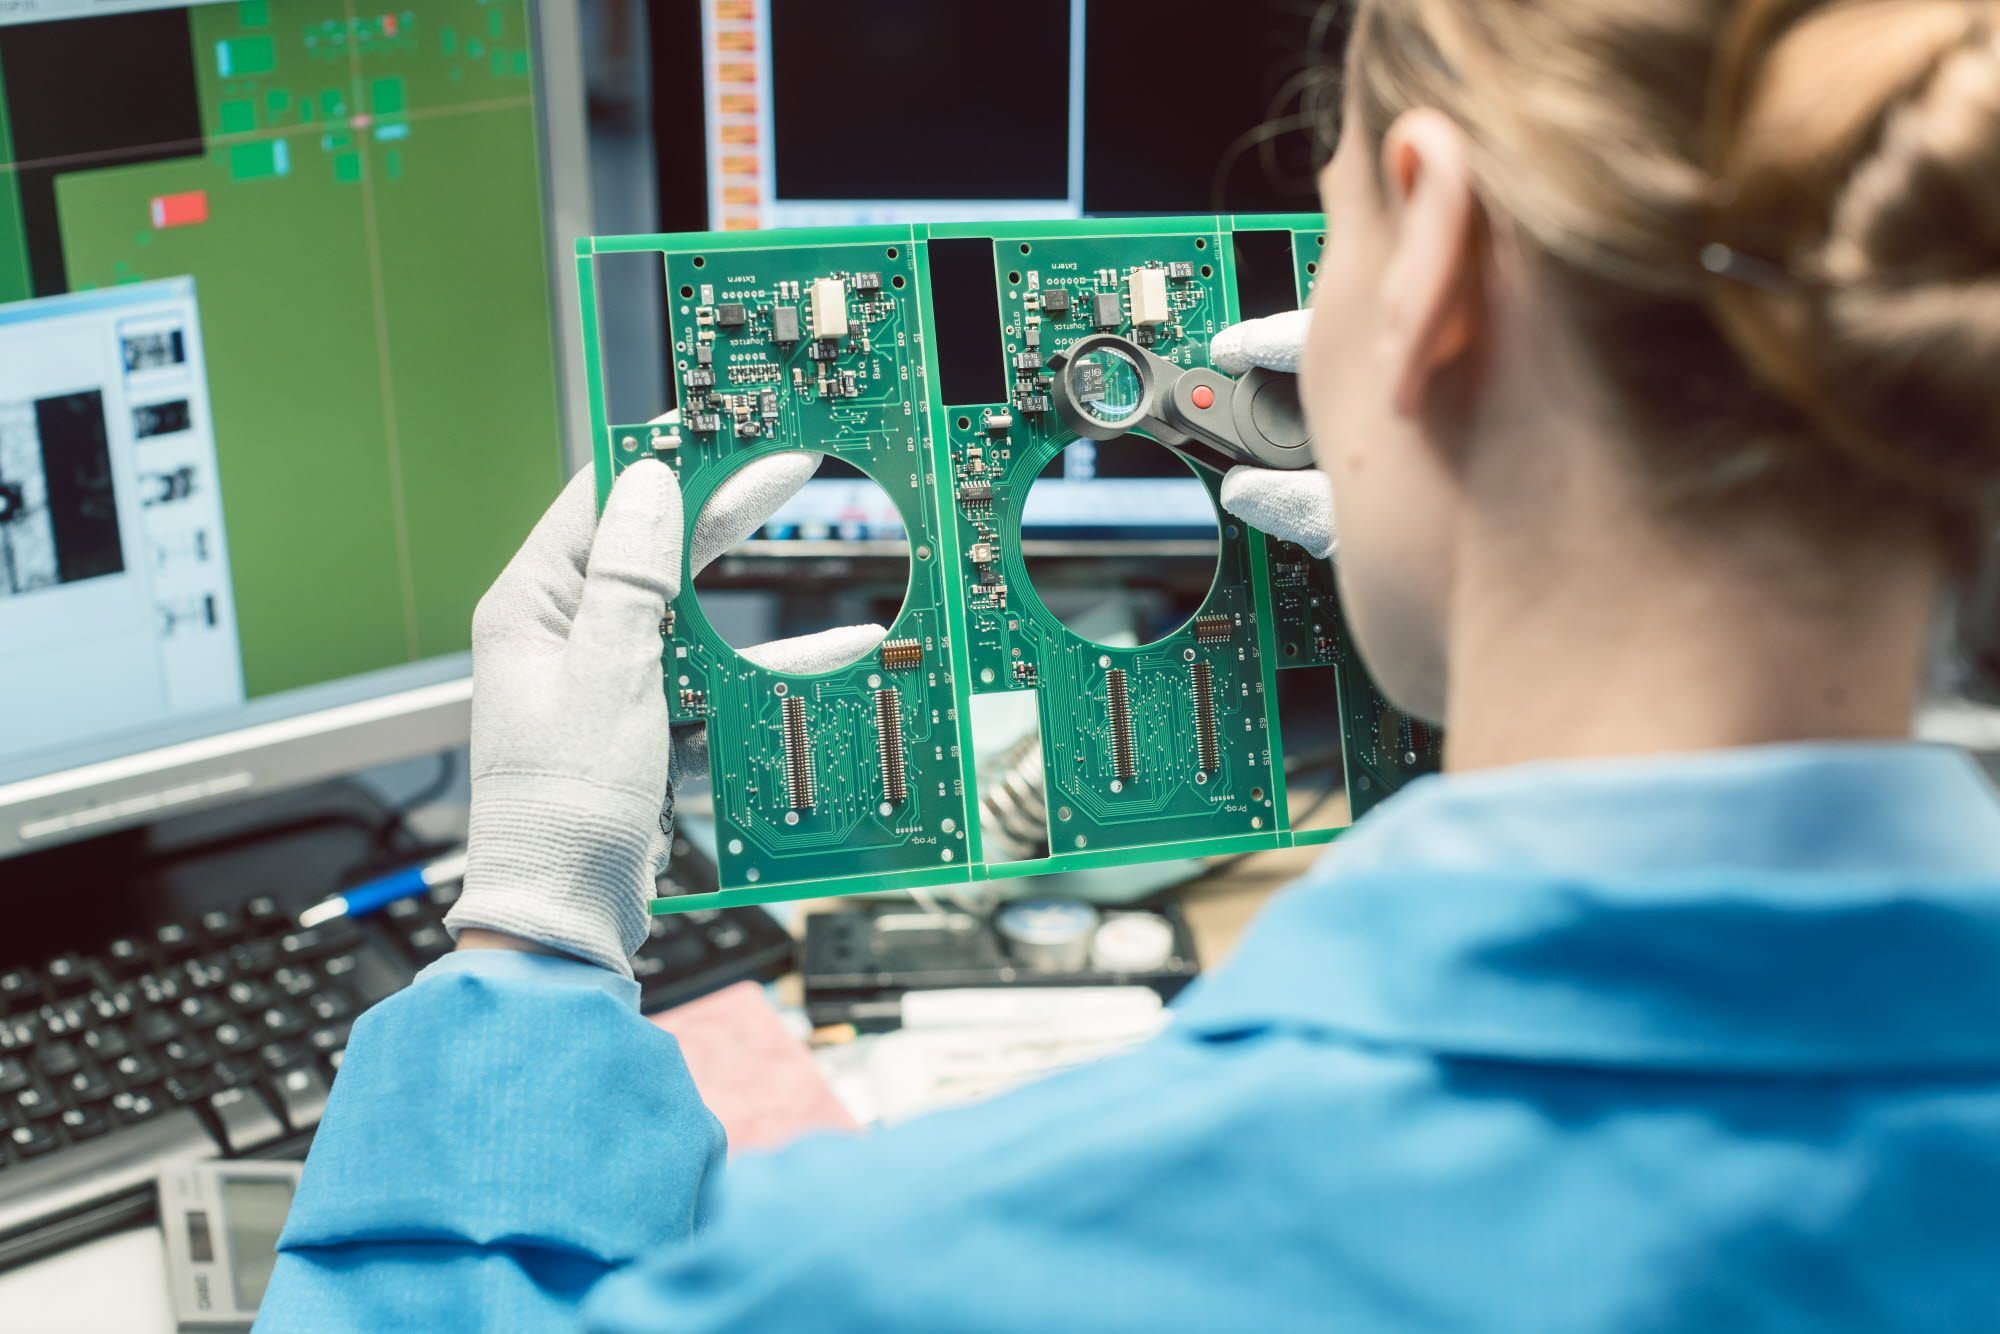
1431	293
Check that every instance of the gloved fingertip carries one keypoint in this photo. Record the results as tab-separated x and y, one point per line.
647	493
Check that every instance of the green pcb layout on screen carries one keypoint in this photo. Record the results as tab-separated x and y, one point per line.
358	196
862	778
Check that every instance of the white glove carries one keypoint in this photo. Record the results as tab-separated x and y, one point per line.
572	803
1293	506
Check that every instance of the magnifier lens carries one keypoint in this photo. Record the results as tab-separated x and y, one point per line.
1106	385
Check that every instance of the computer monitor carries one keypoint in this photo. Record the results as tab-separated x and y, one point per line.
285	315
818	114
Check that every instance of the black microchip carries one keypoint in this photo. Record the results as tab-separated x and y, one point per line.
784	324
1027	361
822	350
705	421
1143	337
1105	311
1180	270
700	377
704	354
867	282
767	404
731	315
1034	402
1089	380
1055	301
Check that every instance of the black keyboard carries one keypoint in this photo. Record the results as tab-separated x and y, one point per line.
222	1037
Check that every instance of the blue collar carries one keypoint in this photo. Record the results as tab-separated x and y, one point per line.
1821	909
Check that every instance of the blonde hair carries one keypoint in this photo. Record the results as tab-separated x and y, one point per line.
1776	223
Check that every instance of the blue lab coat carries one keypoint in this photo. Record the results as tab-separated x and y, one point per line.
1707	1042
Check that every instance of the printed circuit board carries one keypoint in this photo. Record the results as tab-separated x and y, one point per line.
919	355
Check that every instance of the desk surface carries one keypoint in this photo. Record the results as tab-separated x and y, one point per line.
118	1284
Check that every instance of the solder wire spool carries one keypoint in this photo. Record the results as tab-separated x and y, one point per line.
1048	935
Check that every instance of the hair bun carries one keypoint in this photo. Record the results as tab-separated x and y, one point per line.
1882	205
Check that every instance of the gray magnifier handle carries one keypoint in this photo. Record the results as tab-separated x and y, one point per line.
1106	385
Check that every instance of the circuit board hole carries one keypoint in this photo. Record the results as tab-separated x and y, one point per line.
750	594
1165	567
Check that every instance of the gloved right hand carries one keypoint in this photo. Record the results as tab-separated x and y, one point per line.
572	765
1293	506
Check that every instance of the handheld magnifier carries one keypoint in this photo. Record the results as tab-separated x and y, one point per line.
1106	385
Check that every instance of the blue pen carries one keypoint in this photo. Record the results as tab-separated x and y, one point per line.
374	895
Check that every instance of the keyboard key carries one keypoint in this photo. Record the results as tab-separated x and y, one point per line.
254	956
247	995
129	1106
277	1056
206	973
87	1085
62	1018
109	1006
20	988
153	1027
405	913
186	1053
201	1012
160	988
282	1021
301	1095
136	1068
262	914
85	1122
68	974
339	935
107	1043
295	979
341	965
307	943
173	940
222	928
234	1072
129	956
245	1120
57	1059
329	1039
428	943
441	897
35	1102
183	1089
646	967
14	1075
34	1138
234	1037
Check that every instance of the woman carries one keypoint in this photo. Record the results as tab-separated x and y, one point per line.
1651	363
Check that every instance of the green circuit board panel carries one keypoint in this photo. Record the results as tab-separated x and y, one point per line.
863	778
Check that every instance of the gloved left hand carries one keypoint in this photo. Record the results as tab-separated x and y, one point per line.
572	803
1295	506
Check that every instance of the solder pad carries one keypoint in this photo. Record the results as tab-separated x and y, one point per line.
863	778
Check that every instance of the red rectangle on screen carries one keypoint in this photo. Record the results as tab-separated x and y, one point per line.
181	210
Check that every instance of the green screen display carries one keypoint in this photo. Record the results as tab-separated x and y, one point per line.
358	198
